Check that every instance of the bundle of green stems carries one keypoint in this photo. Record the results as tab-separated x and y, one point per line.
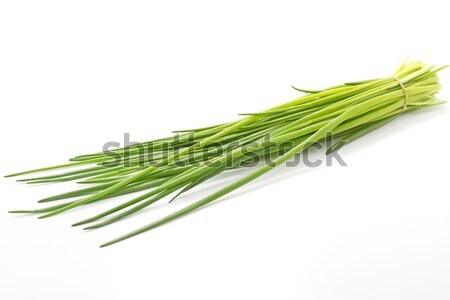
169	167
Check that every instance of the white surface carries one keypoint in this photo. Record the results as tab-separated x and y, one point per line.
76	74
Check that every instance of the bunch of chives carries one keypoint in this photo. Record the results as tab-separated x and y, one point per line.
175	165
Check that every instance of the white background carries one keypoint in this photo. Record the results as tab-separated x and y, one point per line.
76	74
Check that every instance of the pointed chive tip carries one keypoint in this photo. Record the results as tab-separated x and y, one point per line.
106	244
80	223
111	242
